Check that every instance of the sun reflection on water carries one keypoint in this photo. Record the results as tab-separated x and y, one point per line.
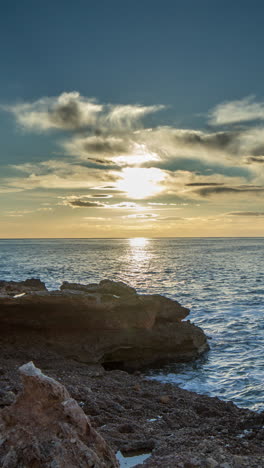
138	242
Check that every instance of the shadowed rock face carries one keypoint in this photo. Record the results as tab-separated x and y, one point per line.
46	428
106	323
11	288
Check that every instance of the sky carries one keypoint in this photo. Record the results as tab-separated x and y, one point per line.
131	119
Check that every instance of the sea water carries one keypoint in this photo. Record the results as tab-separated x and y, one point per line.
220	279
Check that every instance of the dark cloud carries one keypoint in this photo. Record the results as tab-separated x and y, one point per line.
202	184
102	145
67	115
242	189
256	159
247	213
97	161
219	140
79	203
100	195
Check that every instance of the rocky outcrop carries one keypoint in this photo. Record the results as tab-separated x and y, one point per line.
106	323
46	428
13	288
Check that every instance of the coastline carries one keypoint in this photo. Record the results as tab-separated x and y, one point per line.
177	428
172	426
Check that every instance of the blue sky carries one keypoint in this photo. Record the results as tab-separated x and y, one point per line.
202	61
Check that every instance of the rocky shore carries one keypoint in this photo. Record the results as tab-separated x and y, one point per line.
107	411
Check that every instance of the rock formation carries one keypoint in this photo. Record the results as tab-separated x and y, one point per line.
107	323
46	428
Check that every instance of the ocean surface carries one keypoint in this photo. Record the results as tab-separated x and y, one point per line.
220	279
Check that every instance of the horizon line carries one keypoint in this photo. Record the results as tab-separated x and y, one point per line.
131	237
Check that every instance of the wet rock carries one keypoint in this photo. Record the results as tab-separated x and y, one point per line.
46	428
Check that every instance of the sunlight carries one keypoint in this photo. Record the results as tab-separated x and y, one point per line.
139	156
140	182
138	241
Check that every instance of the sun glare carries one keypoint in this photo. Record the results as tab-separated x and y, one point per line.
140	182
139	156
138	242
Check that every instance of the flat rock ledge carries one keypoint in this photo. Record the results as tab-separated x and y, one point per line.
46	428
107	323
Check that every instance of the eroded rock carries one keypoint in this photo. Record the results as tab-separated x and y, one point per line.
46	428
106	323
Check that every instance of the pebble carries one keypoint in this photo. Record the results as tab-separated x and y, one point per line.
164	398
137	388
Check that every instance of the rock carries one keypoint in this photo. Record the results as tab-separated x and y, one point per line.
165	399
108	323
211	463
106	286
6	398
46	428
11	288
240	461
92	288
116	287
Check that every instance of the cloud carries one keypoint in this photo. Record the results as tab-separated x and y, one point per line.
255	159
246	213
110	135
171	218
108	150
202	184
172	144
142	216
71	111
242	190
80	203
243	110
126	205
59	174
101	195
99	149
124	116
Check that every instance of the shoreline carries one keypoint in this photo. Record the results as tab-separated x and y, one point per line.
177	427
78	333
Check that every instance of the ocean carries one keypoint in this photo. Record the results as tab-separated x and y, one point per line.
220	279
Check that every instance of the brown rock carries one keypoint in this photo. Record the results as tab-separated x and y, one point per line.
11	288
165	399
108	323
46	428
116	287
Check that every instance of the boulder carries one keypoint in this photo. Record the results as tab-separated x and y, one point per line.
46	428
108	323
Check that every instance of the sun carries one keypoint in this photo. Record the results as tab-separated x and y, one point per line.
140	182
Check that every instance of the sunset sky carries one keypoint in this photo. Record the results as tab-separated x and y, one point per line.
135	118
